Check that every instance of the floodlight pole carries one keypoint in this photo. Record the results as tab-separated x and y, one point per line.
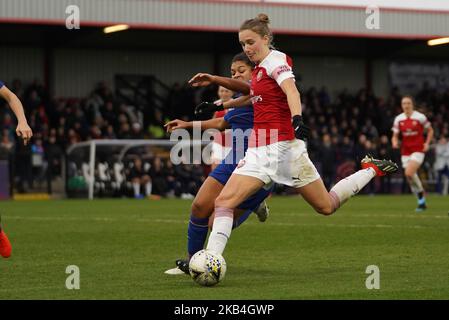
92	169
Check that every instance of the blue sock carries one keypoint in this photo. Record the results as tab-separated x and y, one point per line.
422	201
196	234
242	219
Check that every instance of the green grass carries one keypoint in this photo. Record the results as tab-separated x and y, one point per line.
123	247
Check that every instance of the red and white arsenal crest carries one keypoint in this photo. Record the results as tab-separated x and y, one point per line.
414	123
259	75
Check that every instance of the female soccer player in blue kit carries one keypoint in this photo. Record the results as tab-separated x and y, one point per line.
23	131
239	120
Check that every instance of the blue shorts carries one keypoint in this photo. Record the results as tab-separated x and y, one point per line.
223	172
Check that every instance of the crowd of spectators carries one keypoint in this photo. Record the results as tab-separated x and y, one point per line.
343	129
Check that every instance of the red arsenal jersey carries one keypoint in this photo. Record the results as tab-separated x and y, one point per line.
412	131
223	138
272	116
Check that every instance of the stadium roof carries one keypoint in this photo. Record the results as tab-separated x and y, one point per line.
411	19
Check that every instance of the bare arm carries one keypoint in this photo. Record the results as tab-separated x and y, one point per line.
241	101
205	79
293	96
395	140
429	138
22	130
215	123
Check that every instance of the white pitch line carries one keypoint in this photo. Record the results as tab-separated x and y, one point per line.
310	224
370	215
171	221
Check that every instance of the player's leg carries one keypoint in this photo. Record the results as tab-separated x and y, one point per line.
237	189
136	187
411	174
147	183
201	210
240	216
255	203
5	245
326	203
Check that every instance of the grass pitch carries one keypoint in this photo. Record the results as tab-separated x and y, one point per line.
123	247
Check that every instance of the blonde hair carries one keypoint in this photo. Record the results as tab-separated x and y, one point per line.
260	26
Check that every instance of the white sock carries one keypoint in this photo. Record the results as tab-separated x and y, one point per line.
351	185
221	230
415	184
136	187
148	188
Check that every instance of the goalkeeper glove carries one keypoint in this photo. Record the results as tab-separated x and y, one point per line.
301	130
206	107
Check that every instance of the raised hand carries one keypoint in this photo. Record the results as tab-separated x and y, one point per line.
176	124
201	80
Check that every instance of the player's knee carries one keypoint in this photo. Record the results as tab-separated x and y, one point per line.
408	175
325	210
199	209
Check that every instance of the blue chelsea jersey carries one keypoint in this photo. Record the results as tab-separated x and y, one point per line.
241	121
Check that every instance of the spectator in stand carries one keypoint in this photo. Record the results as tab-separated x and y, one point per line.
441	165
327	157
156	128
169	173
136	131
346	150
158	176
125	132
140	177
370	148
385	152
38	160
359	148
54	154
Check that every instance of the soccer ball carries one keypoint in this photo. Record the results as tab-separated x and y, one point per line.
207	268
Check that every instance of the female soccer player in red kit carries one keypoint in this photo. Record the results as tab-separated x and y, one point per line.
23	131
411	125
277	151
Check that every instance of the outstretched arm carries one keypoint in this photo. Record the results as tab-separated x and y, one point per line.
215	123
205	79
22	130
206	107
241	101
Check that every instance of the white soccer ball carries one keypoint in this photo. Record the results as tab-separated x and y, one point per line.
207	268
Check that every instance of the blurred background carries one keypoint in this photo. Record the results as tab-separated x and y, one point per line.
352	64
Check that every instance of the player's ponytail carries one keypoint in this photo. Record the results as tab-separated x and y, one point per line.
260	26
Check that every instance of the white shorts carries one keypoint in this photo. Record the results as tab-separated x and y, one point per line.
218	152
284	162
415	156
